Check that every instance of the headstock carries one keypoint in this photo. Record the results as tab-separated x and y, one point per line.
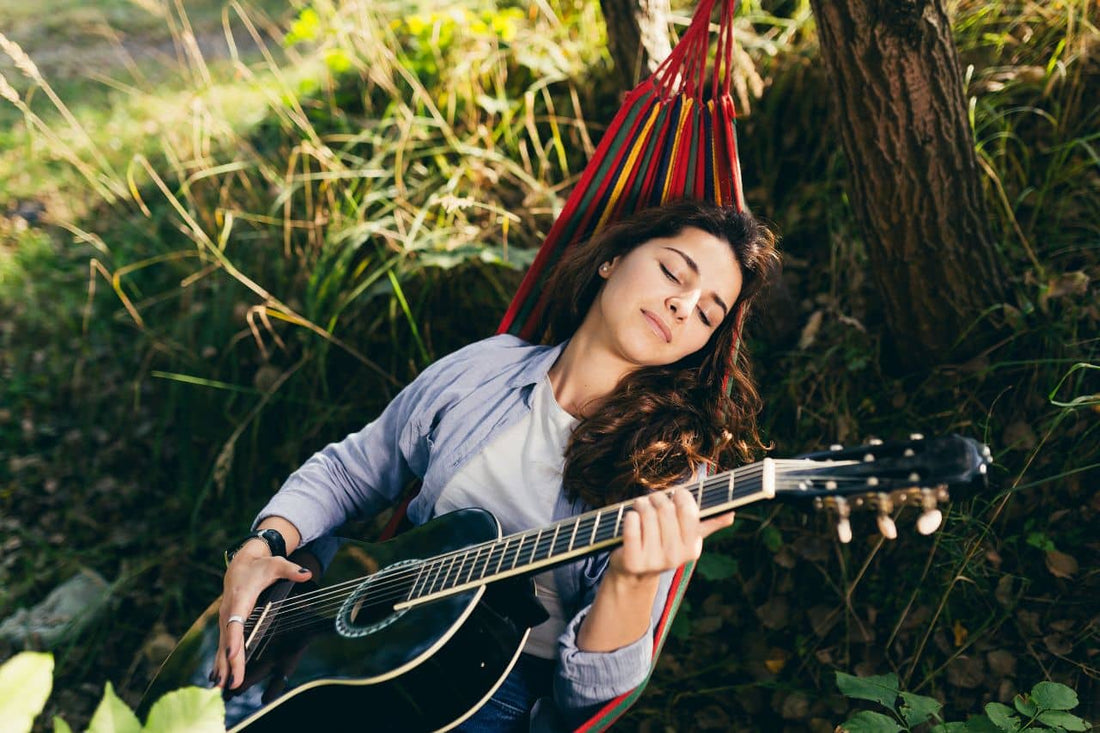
886	476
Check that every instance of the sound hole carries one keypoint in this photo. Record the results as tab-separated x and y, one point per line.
370	606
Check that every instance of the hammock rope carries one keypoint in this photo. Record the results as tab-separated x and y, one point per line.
668	141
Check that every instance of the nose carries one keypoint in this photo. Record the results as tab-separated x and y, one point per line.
682	304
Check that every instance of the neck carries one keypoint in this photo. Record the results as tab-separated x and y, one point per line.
585	374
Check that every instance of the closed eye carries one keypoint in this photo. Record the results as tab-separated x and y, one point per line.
703	318
668	273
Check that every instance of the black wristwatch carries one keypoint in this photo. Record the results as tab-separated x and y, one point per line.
274	540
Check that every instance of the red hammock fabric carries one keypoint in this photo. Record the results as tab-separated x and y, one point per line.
673	138
670	140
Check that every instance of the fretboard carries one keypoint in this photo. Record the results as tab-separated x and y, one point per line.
539	549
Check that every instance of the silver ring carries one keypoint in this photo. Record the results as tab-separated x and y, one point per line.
235	620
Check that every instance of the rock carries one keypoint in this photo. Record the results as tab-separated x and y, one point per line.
61	615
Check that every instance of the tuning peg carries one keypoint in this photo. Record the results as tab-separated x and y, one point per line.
886	526
843	526
844	530
929	521
931	517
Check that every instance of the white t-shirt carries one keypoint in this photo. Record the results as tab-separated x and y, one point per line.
529	454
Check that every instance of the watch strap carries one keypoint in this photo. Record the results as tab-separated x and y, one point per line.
271	537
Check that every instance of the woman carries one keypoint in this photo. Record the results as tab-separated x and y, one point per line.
627	399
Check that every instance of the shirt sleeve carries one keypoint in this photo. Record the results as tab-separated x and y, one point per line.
366	471
585	681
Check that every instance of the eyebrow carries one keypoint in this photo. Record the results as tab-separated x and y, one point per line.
694	267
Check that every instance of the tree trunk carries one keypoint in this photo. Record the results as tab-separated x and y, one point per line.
915	183
637	36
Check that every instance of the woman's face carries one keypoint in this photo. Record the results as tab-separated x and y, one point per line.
665	298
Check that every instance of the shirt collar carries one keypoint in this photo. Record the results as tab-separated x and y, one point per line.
537	365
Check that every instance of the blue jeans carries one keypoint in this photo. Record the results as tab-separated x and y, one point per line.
508	709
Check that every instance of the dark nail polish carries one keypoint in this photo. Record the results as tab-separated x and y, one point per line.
302	570
213	674
229	682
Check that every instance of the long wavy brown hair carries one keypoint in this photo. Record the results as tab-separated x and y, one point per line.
662	424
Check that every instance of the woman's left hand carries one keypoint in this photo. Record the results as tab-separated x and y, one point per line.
663	533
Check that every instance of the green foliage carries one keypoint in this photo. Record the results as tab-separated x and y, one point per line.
716	566
25	682
27	678
257	253
1043	709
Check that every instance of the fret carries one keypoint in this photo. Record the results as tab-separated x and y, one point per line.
554	541
450	562
460	564
540	552
581	523
699	491
535	547
573	537
473	564
416	581
515	559
503	547
619	520
436	583
729	491
595	526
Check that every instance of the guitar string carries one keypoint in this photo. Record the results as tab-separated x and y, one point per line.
323	604
288	621
439	561
317	616
502	546
321	615
399	580
378	594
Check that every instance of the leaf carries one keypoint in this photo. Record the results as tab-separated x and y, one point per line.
113	716
60	726
772	537
1025	706
1060	564
1063	720
1053	696
867	721
1003	717
25	683
188	710
981	724
949	728
882	689
917	709
716	566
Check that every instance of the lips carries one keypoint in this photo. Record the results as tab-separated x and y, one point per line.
658	326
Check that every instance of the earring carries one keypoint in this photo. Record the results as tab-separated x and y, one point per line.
604	268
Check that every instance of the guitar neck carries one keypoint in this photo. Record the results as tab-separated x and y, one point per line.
539	549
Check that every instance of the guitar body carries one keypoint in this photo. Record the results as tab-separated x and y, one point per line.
424	668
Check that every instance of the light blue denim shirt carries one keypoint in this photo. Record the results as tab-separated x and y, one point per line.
449	413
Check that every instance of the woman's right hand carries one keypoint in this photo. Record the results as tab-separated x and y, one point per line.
251	571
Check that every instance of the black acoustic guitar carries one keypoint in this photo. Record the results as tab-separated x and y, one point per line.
416	633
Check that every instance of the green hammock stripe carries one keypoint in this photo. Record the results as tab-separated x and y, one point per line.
611	712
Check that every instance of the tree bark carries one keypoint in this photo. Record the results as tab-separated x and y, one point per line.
637	36
915	183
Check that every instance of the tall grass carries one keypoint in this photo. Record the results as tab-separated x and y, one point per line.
291	241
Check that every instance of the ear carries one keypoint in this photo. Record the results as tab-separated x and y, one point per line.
608	267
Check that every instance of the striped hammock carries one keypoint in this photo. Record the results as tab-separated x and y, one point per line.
673	138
